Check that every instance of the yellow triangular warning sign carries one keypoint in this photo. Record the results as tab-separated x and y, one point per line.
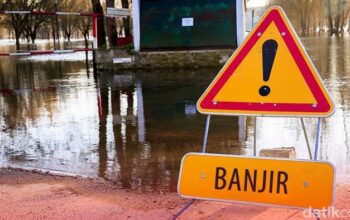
269	74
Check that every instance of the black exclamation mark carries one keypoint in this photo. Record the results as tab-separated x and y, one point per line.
269	50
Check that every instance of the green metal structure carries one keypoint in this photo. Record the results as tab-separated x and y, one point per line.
187	24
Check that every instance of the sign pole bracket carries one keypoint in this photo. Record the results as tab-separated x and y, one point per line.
204	148
318	135
183	209
309	148
306	138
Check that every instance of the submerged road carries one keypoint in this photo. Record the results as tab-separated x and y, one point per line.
35	195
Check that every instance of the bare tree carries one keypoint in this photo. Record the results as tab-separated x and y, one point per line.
27	24
337	13
344	15
303	7
17	21
84	23
310	15
337	17
3	4
35	22
68	25
84	26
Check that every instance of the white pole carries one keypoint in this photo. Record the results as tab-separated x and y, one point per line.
140	113
242	136
136	24
240	20
254	150
94	43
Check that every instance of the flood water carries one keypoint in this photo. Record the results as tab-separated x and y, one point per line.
133	128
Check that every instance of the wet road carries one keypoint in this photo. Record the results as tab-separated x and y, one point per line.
133	128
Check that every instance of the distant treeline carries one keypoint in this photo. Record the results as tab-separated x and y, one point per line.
31	27
315	16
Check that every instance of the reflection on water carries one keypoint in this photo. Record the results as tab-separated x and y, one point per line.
133	128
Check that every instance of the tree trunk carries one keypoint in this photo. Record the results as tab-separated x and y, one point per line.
303	28
343	17
126	21
27	38
336	28
101	33
86	41
17	36
68	38
53	35
111	27
336	25
330	19
33	37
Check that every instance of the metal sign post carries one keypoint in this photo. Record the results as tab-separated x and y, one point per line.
204	147
318	134
306	138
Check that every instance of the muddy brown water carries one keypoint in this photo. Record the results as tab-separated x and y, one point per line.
133	128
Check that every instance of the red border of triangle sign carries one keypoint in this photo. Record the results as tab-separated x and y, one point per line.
209	103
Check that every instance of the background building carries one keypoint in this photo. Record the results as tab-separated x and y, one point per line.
183	24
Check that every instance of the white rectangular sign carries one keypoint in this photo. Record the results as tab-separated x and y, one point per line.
122	60
187	22
281	182
115	12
